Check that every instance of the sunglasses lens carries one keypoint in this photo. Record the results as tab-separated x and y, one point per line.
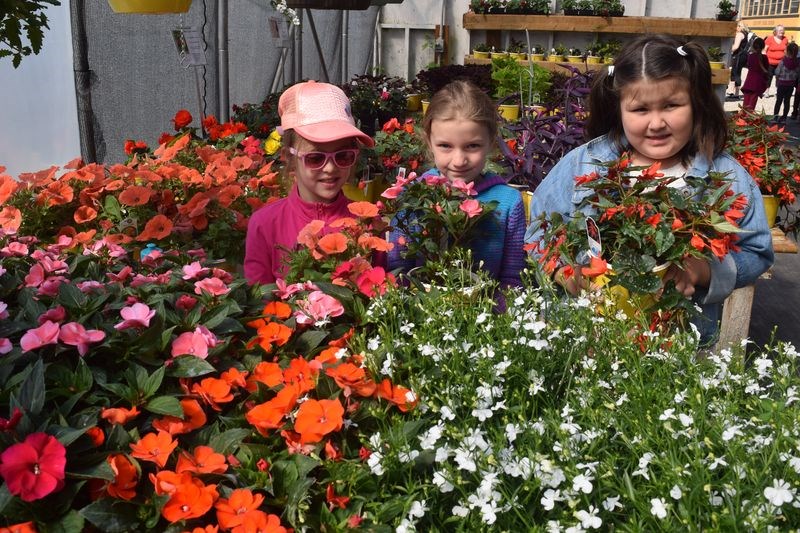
345	158
315	160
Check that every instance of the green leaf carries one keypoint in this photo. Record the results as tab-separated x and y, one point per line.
153	382
165	405
100	470
226	441
228	326
31	392
309	340
5	497
72	522
112	515
70	296
189	366
112	208
215	316
66	435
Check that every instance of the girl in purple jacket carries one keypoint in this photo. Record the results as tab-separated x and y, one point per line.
757	74
320	147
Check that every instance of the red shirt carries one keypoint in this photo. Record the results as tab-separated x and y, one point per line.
275	227
775	49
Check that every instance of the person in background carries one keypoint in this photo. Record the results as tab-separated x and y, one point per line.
460	129
658	105
739	51
786	76
775	49
320	147
757	71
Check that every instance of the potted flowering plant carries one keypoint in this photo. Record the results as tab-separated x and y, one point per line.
186	194
762	149
434	215
726	11
642	223
376	99
398	145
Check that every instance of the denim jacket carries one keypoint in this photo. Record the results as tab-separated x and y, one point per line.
558	193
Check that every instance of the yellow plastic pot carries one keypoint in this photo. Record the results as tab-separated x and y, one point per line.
509	111
150	6
480	55
413	102
623	300
770	208
717	65
425	104
356	193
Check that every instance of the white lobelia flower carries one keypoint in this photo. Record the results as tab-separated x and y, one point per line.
582	483
658	508
417	509
447	413
611	503
676	492
461	511
481	318
550	498
668	414
686	420
732	432
779	493
589	519
440	481
374	462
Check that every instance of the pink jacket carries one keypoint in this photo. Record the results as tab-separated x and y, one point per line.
276	226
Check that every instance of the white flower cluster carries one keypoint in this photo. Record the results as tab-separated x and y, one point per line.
289	13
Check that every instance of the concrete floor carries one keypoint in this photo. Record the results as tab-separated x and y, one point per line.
776	304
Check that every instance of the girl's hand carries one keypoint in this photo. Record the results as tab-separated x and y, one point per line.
693	273
572	280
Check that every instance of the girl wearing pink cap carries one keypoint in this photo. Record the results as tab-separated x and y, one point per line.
320	147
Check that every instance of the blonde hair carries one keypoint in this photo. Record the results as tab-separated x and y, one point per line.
461	99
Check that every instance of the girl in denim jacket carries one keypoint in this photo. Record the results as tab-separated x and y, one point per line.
658	104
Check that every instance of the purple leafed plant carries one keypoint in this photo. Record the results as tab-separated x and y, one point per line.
542	138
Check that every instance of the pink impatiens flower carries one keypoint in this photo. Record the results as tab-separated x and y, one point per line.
137	315
318	306
5	346
3	310
195	343
213	286
35	467
35	338
76	335
471	207
194	270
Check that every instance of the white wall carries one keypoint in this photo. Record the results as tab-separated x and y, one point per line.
39	124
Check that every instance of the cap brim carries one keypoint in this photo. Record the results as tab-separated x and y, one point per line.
324	132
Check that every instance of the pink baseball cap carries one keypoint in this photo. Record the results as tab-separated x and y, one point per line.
319	112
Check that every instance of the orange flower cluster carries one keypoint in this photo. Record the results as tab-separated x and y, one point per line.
173	195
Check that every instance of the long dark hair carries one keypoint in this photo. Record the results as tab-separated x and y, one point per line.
655	58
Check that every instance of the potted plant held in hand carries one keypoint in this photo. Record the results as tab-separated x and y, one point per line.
762	149
641	223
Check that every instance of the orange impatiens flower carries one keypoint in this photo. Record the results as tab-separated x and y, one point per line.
154	447
211	528
125	477
269	334
277	309
22	527
317	418
135	195
167	481
119	415
234	377
84	214
8	186
332	243
309	235
270	374
352	378
193	418
300	374
10	218
57	193
158	227
213	391
261	522
190	500
97	435
203	460
403	398
363	209
270	414
231	511
334	500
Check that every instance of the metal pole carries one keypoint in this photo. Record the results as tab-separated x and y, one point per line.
222	58
319	47
345	49
83	81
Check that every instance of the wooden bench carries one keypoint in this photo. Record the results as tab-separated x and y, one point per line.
736	311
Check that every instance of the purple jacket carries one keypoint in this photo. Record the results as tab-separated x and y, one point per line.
756	81
274	229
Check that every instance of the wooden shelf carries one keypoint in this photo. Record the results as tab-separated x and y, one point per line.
637	25
718	76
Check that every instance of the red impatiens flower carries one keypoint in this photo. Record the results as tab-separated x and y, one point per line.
34	468
182	119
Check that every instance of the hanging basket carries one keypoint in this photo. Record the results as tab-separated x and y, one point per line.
328	4
150	6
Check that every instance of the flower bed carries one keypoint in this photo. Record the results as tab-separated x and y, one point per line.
151	390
